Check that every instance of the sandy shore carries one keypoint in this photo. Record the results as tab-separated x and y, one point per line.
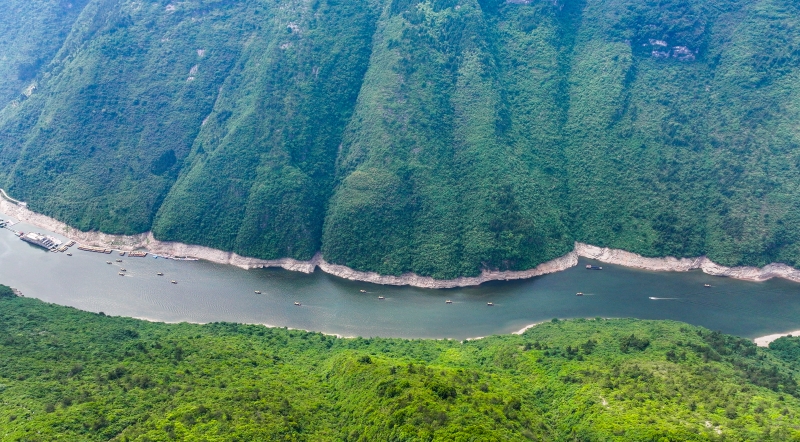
146	241
764	341
526	328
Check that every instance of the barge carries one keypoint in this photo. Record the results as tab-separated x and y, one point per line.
94	249
45	242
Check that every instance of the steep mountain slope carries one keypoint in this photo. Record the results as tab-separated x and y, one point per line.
30	35
433	177
440	137
263	164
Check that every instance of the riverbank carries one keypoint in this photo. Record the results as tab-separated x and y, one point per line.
671	264
764	341
146	241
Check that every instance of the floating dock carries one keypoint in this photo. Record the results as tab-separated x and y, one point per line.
94	249
66	246
45	242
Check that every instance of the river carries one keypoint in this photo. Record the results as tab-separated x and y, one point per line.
207	292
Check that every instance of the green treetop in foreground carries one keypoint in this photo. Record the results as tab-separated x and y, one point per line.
72	375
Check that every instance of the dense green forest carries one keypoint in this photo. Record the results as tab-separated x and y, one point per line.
441	137
72	375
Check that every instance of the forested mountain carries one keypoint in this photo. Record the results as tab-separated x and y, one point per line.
439	136
71	375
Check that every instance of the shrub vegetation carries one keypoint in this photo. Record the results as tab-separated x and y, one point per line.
72	375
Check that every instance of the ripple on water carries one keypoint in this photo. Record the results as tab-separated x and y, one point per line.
209	292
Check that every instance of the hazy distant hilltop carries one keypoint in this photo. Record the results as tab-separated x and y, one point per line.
440	137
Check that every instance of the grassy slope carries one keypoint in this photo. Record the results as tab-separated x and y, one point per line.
73	375
439	137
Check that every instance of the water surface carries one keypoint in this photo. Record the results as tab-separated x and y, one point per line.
208	292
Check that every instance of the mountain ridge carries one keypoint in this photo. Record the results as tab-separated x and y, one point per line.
439	137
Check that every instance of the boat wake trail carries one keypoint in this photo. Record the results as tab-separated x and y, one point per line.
662	299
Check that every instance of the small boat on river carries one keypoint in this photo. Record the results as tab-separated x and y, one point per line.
381	297
258	292
69	254
591	267
707	285
297	304
121	274
490	304
363	291
448	302
160	274
119	260
108	262
174	281
579	294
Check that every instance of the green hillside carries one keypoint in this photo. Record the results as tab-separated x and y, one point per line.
71	375
441	137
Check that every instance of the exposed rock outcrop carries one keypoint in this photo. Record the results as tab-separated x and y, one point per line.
556	265
670	264
611	256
